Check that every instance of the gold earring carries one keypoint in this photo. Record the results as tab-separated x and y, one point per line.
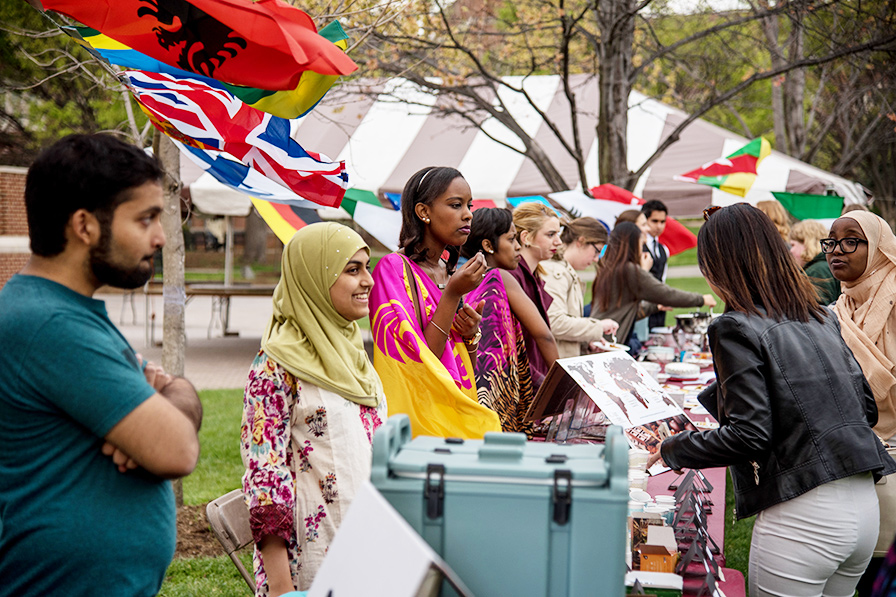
426	220
490	251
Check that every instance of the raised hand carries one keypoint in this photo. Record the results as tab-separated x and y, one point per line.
467	277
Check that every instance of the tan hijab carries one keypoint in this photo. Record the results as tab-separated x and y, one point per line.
865	310
306	335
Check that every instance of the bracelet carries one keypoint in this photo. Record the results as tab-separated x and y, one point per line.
433	321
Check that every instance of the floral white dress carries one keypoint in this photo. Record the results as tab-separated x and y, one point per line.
306	451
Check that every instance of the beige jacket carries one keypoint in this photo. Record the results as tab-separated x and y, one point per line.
570	329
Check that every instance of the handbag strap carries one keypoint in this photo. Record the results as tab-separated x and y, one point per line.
413	281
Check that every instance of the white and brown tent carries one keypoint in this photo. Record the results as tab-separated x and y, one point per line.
384	141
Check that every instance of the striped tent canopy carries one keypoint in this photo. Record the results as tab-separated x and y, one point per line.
386	130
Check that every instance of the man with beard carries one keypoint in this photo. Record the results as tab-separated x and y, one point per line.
89	433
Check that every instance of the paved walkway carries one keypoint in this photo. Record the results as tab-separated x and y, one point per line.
210	363
216	362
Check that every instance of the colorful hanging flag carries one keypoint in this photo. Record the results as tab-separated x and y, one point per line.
236	175
285	220
209	118
803	206
266	44
734	174
380	222
676	237
286	104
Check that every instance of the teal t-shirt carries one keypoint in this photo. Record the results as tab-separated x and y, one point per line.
70	523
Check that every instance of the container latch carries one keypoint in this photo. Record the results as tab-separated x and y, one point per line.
562	496
434	490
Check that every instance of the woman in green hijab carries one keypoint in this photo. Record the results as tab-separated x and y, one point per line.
312	403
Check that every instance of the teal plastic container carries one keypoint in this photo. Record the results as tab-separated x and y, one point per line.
512	517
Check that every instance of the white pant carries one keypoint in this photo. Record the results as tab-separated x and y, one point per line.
816	544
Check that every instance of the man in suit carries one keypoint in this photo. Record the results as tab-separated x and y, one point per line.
656	213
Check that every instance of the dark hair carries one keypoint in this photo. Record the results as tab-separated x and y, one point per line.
423	187
741	253
629	215
489	223
623	248
653	205
92	172
590	230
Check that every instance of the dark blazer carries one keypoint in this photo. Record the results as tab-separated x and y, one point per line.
794	409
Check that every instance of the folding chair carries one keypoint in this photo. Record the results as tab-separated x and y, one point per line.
228	517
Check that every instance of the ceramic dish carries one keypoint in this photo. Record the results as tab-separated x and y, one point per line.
682	371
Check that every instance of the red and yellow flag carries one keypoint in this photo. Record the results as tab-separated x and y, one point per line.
734	174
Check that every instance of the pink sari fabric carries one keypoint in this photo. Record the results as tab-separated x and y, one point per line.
437	392
503	381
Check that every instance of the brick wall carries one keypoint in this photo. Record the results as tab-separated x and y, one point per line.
13	222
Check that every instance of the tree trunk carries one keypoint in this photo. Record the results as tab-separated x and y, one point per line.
615	47
255	244
770	29
795	90
173	292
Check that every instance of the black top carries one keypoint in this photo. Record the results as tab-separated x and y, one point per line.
794	410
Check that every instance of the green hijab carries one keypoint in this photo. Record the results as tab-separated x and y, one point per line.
306	335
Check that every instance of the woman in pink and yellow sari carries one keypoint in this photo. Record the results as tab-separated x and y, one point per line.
424	336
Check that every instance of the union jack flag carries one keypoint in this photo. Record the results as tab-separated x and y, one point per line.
211	118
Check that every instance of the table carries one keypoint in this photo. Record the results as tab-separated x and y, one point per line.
734	585
221	295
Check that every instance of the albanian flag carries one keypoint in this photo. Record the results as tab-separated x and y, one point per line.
266	44
285	104
734	174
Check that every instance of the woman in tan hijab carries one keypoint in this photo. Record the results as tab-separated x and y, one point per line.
312	403
861	251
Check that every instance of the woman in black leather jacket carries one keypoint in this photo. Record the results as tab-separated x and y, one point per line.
795	415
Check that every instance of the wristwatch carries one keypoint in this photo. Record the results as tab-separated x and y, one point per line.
474	341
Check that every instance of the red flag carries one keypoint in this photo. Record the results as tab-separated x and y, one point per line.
264	43
676	236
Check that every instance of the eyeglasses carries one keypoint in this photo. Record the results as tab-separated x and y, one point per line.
847	245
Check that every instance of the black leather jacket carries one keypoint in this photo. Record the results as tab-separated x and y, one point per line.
794	411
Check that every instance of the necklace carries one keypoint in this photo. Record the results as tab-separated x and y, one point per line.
433	272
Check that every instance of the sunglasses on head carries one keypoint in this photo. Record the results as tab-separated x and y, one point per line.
714	208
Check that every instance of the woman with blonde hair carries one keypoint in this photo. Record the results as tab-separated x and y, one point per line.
805	246
538	232
778	215
583	239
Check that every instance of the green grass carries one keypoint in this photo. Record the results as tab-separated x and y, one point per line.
206	577
737	534
220	468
